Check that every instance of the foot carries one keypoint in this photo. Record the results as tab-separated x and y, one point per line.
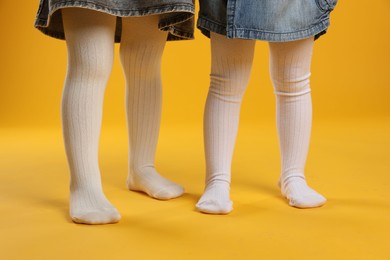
299	194
92	208
149	181
216	199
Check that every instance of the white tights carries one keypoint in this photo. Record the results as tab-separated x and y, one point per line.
90	43
290	73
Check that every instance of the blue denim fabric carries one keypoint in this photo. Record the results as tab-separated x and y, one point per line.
268	20
177	16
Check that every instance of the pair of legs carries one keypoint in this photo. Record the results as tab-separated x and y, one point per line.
90	43
290	74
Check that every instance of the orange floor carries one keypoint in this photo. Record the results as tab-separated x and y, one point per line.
349	163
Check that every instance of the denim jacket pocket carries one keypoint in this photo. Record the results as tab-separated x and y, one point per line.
326	5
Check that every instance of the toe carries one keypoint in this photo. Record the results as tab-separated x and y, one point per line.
96	217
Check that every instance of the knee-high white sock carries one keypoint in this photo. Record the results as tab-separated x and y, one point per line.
290	73
230	70
89	38
141	50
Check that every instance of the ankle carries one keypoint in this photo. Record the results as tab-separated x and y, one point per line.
217	182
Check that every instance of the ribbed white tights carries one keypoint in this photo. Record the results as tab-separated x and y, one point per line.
90	42
230	71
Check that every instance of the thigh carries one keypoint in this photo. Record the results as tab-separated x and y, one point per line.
142	29
90	39
290	64
84	25
280	51
231	48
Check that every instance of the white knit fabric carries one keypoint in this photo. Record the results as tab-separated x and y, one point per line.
141	50
90	42
290	72
230	71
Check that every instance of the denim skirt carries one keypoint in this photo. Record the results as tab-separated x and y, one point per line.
268	20
176	16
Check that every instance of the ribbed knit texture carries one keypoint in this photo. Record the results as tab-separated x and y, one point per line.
141	50
230	70
290	73
90	42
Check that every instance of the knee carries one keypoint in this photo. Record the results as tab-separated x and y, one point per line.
143	57
229	82
90	61
291	84
226	88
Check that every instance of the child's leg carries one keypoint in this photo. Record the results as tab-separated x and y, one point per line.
89	38
290	73
141	49
230	70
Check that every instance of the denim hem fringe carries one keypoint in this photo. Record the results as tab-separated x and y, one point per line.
206	26
180	13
